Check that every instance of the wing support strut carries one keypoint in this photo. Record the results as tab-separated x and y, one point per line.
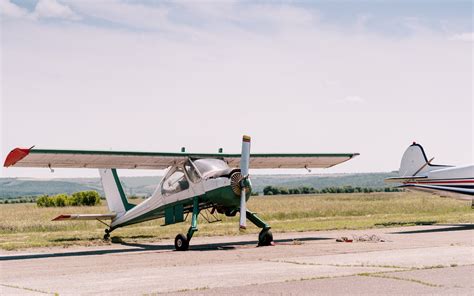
210	216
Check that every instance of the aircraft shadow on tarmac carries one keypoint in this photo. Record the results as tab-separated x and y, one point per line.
136	247
449	227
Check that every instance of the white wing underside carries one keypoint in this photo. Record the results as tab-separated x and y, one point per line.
144	160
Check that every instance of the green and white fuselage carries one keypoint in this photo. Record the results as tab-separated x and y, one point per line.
211	181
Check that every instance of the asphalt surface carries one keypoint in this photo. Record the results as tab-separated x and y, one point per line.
395	261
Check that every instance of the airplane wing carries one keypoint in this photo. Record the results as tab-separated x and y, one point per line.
32	157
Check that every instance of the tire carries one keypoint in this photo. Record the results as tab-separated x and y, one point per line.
107	235
181	242
265	238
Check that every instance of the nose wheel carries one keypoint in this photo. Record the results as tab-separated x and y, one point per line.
265	238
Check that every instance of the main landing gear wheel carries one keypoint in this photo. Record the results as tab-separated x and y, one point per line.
181	242
107	235
265	238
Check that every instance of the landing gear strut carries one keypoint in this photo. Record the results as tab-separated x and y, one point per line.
265	237
181	241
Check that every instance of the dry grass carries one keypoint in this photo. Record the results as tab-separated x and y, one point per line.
25	225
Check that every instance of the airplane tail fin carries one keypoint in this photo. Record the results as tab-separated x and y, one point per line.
114	194
414	161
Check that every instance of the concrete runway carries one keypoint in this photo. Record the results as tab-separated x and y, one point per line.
412	260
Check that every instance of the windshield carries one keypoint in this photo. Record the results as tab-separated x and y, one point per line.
193	175
206	166
174	183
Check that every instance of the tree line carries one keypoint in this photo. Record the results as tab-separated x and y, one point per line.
272	190
19	199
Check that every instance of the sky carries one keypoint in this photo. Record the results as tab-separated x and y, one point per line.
298	76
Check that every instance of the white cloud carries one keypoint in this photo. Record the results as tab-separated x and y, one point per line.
11	10
43	9
187	16
354	99
54	9
132	15
468	36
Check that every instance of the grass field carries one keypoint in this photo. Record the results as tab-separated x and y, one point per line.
26	225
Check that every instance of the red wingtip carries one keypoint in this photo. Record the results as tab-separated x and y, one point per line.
61	217
15	156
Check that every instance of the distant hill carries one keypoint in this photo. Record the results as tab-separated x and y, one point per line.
373	180
144	186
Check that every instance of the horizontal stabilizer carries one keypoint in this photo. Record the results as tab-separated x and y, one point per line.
84	217
404	179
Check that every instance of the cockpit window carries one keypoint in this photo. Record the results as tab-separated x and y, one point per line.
193	175
206	166
174	183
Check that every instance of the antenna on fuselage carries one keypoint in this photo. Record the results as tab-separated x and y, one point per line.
183	149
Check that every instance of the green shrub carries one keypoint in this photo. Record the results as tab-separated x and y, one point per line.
45	201
82	198
90	198
85	198
60	200
74	200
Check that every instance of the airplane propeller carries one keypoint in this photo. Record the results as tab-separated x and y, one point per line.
244	170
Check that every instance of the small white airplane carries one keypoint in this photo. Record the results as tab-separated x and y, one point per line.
417	172
193	183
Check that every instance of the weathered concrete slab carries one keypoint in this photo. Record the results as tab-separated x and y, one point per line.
299	263
453	281
407	258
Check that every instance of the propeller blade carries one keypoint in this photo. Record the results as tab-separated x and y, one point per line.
245	156
244	170
243	210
